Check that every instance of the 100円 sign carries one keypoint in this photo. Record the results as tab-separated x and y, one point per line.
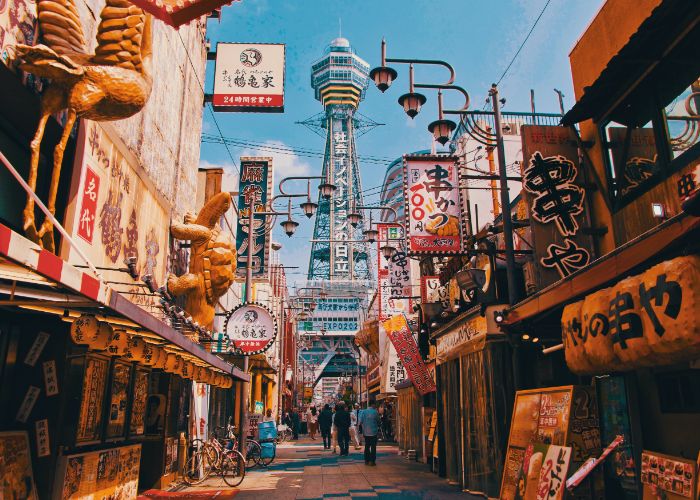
252	328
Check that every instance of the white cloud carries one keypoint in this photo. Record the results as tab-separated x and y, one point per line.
226	165
285	164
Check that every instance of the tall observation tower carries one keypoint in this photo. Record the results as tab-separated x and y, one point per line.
339	80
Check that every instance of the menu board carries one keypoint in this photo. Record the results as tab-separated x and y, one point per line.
118	400
558	416
137	424
90	415
16	466
112	474
675	477
543	472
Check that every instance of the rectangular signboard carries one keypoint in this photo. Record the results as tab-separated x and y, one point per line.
255	190
433	208
394	274
249	77
401	337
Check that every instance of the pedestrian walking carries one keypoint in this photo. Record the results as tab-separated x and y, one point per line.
334	430
370	421
342	424
354	434
295	424
325	422
312	420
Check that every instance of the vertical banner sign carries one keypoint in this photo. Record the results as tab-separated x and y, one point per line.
394	274
390	367
253	193
433	218
555	195
249	77
432	292
400	335
341	198
200	415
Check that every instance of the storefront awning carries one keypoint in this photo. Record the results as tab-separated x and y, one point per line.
36	279
604	270
655	65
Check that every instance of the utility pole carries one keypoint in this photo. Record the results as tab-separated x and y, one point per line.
248	300
505	199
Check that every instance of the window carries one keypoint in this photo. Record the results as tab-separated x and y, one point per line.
683	120
638	157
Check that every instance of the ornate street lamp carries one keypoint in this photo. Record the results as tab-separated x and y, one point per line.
388	251
412	101
383	76
441	128
326	189
309	208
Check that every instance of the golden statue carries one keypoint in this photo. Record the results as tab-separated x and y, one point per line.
212	260
111	84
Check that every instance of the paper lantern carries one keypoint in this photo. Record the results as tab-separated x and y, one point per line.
198	373
135	349
172	363
104	336
187	369
668	296
83	329
626	328
596	332
207	376
572	336
119	344
227	383
151	354
162	358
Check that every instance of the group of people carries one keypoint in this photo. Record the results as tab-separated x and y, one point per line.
340	426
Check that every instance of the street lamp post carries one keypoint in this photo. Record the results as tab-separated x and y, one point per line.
441	129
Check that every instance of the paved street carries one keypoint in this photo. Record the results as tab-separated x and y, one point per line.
303	470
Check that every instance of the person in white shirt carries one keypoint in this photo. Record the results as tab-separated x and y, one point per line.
354	435
334	433
312	421
268	416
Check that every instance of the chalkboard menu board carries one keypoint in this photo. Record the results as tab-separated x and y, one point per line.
562	416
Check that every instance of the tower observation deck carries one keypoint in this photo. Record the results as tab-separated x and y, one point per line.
339	80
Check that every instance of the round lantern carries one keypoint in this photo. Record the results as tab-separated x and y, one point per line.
198	371
206	375
119	345
187	369
136	349
159	363
151	354
228	382
83	329
104	336
172	362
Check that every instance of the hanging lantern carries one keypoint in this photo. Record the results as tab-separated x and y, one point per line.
172	363
198	371
162	358
119	344
228	382
208	376
187	370
151	354
136	349
83	329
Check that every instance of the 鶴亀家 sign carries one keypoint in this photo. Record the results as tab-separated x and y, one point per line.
249	77
431	194
251	328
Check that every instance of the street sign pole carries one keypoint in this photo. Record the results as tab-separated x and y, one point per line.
248	300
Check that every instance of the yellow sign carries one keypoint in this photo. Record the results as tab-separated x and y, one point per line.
115	214
644	320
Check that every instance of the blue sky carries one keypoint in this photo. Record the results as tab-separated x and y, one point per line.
478	37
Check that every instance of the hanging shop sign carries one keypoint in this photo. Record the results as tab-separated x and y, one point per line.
432	291
433	207
254	190
400	335
394	274
112	473
115	213
249	77
391	370
554	189
450	344
252	328
644	320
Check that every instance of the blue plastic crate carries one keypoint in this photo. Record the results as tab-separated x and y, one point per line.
267	430
268	450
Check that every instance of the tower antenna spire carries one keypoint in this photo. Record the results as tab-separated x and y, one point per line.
340	27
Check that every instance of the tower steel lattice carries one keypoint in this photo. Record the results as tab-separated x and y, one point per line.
339	80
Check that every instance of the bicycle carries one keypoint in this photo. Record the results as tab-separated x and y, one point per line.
284	433
214	456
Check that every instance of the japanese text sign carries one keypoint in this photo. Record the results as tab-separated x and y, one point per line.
554	191
341	166
88	208
254	191
249	77
544	472
400	335
394	274
432	292
251	328
645	320
432	197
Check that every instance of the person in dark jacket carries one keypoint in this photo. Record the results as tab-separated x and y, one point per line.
325	421
342	423
295	424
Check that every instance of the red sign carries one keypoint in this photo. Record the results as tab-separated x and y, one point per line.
88	206
272	101
251	327
394	274
400	335
433	208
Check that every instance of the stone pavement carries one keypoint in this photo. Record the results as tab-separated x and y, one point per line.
303	470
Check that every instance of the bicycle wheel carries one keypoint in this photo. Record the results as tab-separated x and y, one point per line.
265	461
233	468
253	453
197	468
